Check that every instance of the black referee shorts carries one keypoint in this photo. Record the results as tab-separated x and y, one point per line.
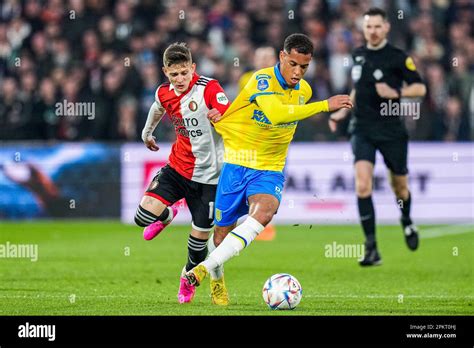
169	186
394	152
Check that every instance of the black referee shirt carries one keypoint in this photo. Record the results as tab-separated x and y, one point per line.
390	65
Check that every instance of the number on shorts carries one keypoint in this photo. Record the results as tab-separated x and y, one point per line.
211	210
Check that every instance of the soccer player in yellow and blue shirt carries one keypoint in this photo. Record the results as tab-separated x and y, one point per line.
257	130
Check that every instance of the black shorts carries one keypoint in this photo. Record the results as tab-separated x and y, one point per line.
394	152
169	186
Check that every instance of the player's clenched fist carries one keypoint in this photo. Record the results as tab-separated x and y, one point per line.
214	115
150	143
339	101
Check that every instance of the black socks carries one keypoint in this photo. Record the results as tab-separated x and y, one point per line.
197	252
405	209
367	219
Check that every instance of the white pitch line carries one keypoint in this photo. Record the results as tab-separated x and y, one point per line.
395	296
392	296
445	231
67	296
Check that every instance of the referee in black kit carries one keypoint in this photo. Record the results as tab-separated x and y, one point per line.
378	74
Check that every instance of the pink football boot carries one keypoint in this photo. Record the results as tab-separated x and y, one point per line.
186	291
155	228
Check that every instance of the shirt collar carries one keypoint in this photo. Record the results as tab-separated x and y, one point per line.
379	47
281	80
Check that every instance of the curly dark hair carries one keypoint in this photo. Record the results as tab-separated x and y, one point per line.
299	42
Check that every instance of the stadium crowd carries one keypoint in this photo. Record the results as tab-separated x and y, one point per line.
108	54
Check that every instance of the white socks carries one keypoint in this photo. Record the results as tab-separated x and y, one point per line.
217	272
235	241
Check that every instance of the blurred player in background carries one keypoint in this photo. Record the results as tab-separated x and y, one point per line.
257	130
378	74
263	58
193	169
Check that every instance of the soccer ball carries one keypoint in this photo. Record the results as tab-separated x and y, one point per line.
282	291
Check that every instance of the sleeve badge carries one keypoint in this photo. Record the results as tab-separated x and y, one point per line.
410	64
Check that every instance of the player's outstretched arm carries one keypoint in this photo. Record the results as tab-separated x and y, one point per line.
154	117
216	101
279	113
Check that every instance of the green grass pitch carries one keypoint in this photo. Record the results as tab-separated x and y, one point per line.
106	268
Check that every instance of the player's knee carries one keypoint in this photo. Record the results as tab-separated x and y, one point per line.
363	188
143	217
